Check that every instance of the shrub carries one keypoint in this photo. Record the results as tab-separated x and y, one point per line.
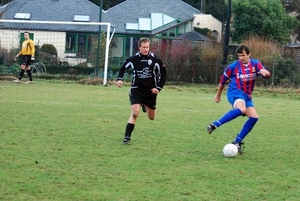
3	70
3	53
262	49
49	48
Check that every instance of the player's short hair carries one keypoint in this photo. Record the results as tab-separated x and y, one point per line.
243	48
143	40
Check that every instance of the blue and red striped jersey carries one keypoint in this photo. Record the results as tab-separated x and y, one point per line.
242	76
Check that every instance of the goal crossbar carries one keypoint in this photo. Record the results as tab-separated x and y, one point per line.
108	35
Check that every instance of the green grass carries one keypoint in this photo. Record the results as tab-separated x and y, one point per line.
63	141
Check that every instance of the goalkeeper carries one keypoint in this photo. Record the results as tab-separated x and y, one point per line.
27	53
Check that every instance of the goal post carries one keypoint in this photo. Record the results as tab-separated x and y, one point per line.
75	41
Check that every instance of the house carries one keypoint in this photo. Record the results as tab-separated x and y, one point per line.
294	49
156	19
160	19
194	38
71	41
210	22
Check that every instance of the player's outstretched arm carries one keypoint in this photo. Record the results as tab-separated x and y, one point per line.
219	93
264	72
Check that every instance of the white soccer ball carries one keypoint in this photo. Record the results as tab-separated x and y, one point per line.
230	150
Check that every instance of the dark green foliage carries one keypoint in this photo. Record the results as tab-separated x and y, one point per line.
297	30
3	2
46	54
203	31
12	70
262	18
3	52
66	69
49	48
107	4
217	8
3	70
285	72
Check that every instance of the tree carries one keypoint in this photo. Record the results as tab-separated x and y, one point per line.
265	18
216	8
195	3
107	4
292	7
3	2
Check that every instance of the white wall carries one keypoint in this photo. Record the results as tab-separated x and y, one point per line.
210	22
11	39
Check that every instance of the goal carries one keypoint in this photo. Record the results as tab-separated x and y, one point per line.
76	43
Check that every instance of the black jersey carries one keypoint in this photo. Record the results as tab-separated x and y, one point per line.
147	71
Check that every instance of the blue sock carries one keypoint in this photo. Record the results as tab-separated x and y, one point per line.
246	129
230	115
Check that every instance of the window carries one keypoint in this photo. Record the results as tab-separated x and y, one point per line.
154	21
81	18
22	16
22	38
70	42
80	43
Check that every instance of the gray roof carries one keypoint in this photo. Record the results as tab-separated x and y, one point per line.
126	12
192	36
130	10
293	45
52	10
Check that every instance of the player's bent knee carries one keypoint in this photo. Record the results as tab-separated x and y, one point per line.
135	114
151	118
243	110
151	114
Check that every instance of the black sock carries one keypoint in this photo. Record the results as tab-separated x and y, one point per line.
21	74
128	131
29	74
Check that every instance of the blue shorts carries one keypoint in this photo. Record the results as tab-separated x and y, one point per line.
234	94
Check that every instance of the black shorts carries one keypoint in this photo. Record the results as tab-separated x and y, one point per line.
26	60
142	96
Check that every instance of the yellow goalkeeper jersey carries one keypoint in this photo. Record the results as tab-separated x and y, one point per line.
27	48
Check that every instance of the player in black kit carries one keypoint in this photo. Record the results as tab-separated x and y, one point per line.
148	78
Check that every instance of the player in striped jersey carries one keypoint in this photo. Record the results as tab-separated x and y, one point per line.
242	75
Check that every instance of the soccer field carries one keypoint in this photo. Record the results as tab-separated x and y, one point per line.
63	141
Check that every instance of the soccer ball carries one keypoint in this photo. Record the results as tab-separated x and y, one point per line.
230	150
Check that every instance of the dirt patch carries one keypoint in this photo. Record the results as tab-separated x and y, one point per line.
8	78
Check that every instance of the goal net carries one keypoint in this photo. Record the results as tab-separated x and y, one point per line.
63	43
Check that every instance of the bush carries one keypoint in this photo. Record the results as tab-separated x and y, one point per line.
262	49
285	72
12	70
3	70
3	53
283	68
189	62
50	49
